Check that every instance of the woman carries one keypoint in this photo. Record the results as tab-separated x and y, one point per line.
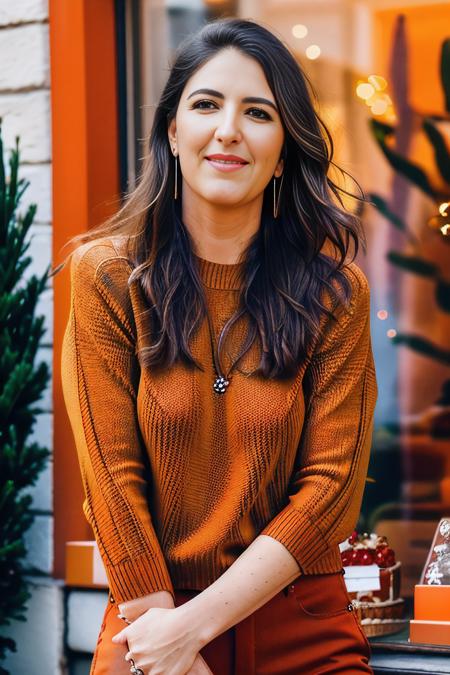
219	379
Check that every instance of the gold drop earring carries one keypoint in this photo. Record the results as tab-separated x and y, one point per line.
175	191
276	202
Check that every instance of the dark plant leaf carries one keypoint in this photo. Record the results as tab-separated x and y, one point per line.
412	263
382	206
445	72
408	169
443	295
423	346
441	153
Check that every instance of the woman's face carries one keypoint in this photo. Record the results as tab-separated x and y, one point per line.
227	108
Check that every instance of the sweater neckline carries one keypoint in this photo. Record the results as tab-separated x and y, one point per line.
222	276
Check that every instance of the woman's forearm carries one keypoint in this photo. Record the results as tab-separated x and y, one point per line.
259	573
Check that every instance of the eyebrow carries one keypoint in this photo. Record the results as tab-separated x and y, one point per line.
247	99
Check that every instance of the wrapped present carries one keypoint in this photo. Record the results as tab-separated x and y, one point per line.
375	593
431	623
84	566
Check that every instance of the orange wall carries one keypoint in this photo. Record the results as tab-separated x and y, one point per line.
426	28
85	169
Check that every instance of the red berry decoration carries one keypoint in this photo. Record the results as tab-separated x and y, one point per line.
360	557
390	557
380	559
355	557
385	556
353	537
363	553
346	557
367	557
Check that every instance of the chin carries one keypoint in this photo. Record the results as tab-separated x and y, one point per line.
218	198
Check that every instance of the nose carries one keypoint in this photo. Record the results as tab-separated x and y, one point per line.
228	130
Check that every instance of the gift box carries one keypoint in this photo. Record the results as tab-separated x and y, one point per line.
429	632
372	576
387	588
431	603
364	578
84	566
431	623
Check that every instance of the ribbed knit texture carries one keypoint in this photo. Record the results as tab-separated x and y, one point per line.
179	480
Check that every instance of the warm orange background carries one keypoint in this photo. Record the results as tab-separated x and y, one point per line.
426	29
86	170
85	185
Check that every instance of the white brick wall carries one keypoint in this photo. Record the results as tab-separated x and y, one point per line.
22	11
38	192
25	112
24	50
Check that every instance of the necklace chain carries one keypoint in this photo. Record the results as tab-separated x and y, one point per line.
221	381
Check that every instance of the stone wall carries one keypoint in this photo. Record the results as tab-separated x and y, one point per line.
25	111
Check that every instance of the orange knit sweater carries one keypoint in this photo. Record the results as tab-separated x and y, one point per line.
178	479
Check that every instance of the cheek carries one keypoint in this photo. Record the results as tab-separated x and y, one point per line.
196	138
266	149
267	160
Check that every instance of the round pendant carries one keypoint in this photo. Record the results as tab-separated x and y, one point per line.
220	385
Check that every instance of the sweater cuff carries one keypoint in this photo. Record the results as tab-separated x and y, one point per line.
299	535
135	578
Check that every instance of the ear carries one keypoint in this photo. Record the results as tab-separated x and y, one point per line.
172	133
279	168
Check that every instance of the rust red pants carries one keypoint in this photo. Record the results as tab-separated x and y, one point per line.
307	628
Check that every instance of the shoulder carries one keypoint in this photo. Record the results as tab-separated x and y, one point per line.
352	318
92	256
357	278
102	266
357	286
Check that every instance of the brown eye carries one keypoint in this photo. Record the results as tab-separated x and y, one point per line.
265	116
199	104
206	104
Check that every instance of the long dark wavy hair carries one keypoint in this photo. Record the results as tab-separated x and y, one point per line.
286	269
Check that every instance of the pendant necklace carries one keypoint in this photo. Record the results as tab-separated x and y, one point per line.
221	381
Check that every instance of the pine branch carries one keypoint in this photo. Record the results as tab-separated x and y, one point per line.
22	384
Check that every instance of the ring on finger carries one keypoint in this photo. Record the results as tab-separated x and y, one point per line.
134	669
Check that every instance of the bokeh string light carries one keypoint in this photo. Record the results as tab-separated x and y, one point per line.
372	92
443	210
300	31
441	221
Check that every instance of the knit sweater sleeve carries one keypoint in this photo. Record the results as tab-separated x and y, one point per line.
100	375
340	388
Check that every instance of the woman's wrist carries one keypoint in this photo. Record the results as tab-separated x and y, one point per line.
204	630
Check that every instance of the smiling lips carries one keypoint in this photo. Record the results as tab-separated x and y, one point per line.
226	162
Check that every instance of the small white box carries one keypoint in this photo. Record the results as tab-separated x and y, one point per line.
362	578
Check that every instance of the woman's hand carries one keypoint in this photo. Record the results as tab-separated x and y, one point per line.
133	609
161	641
200	667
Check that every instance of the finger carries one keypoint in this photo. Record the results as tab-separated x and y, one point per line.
120	638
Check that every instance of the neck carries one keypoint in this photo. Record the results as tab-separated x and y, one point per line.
220	233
